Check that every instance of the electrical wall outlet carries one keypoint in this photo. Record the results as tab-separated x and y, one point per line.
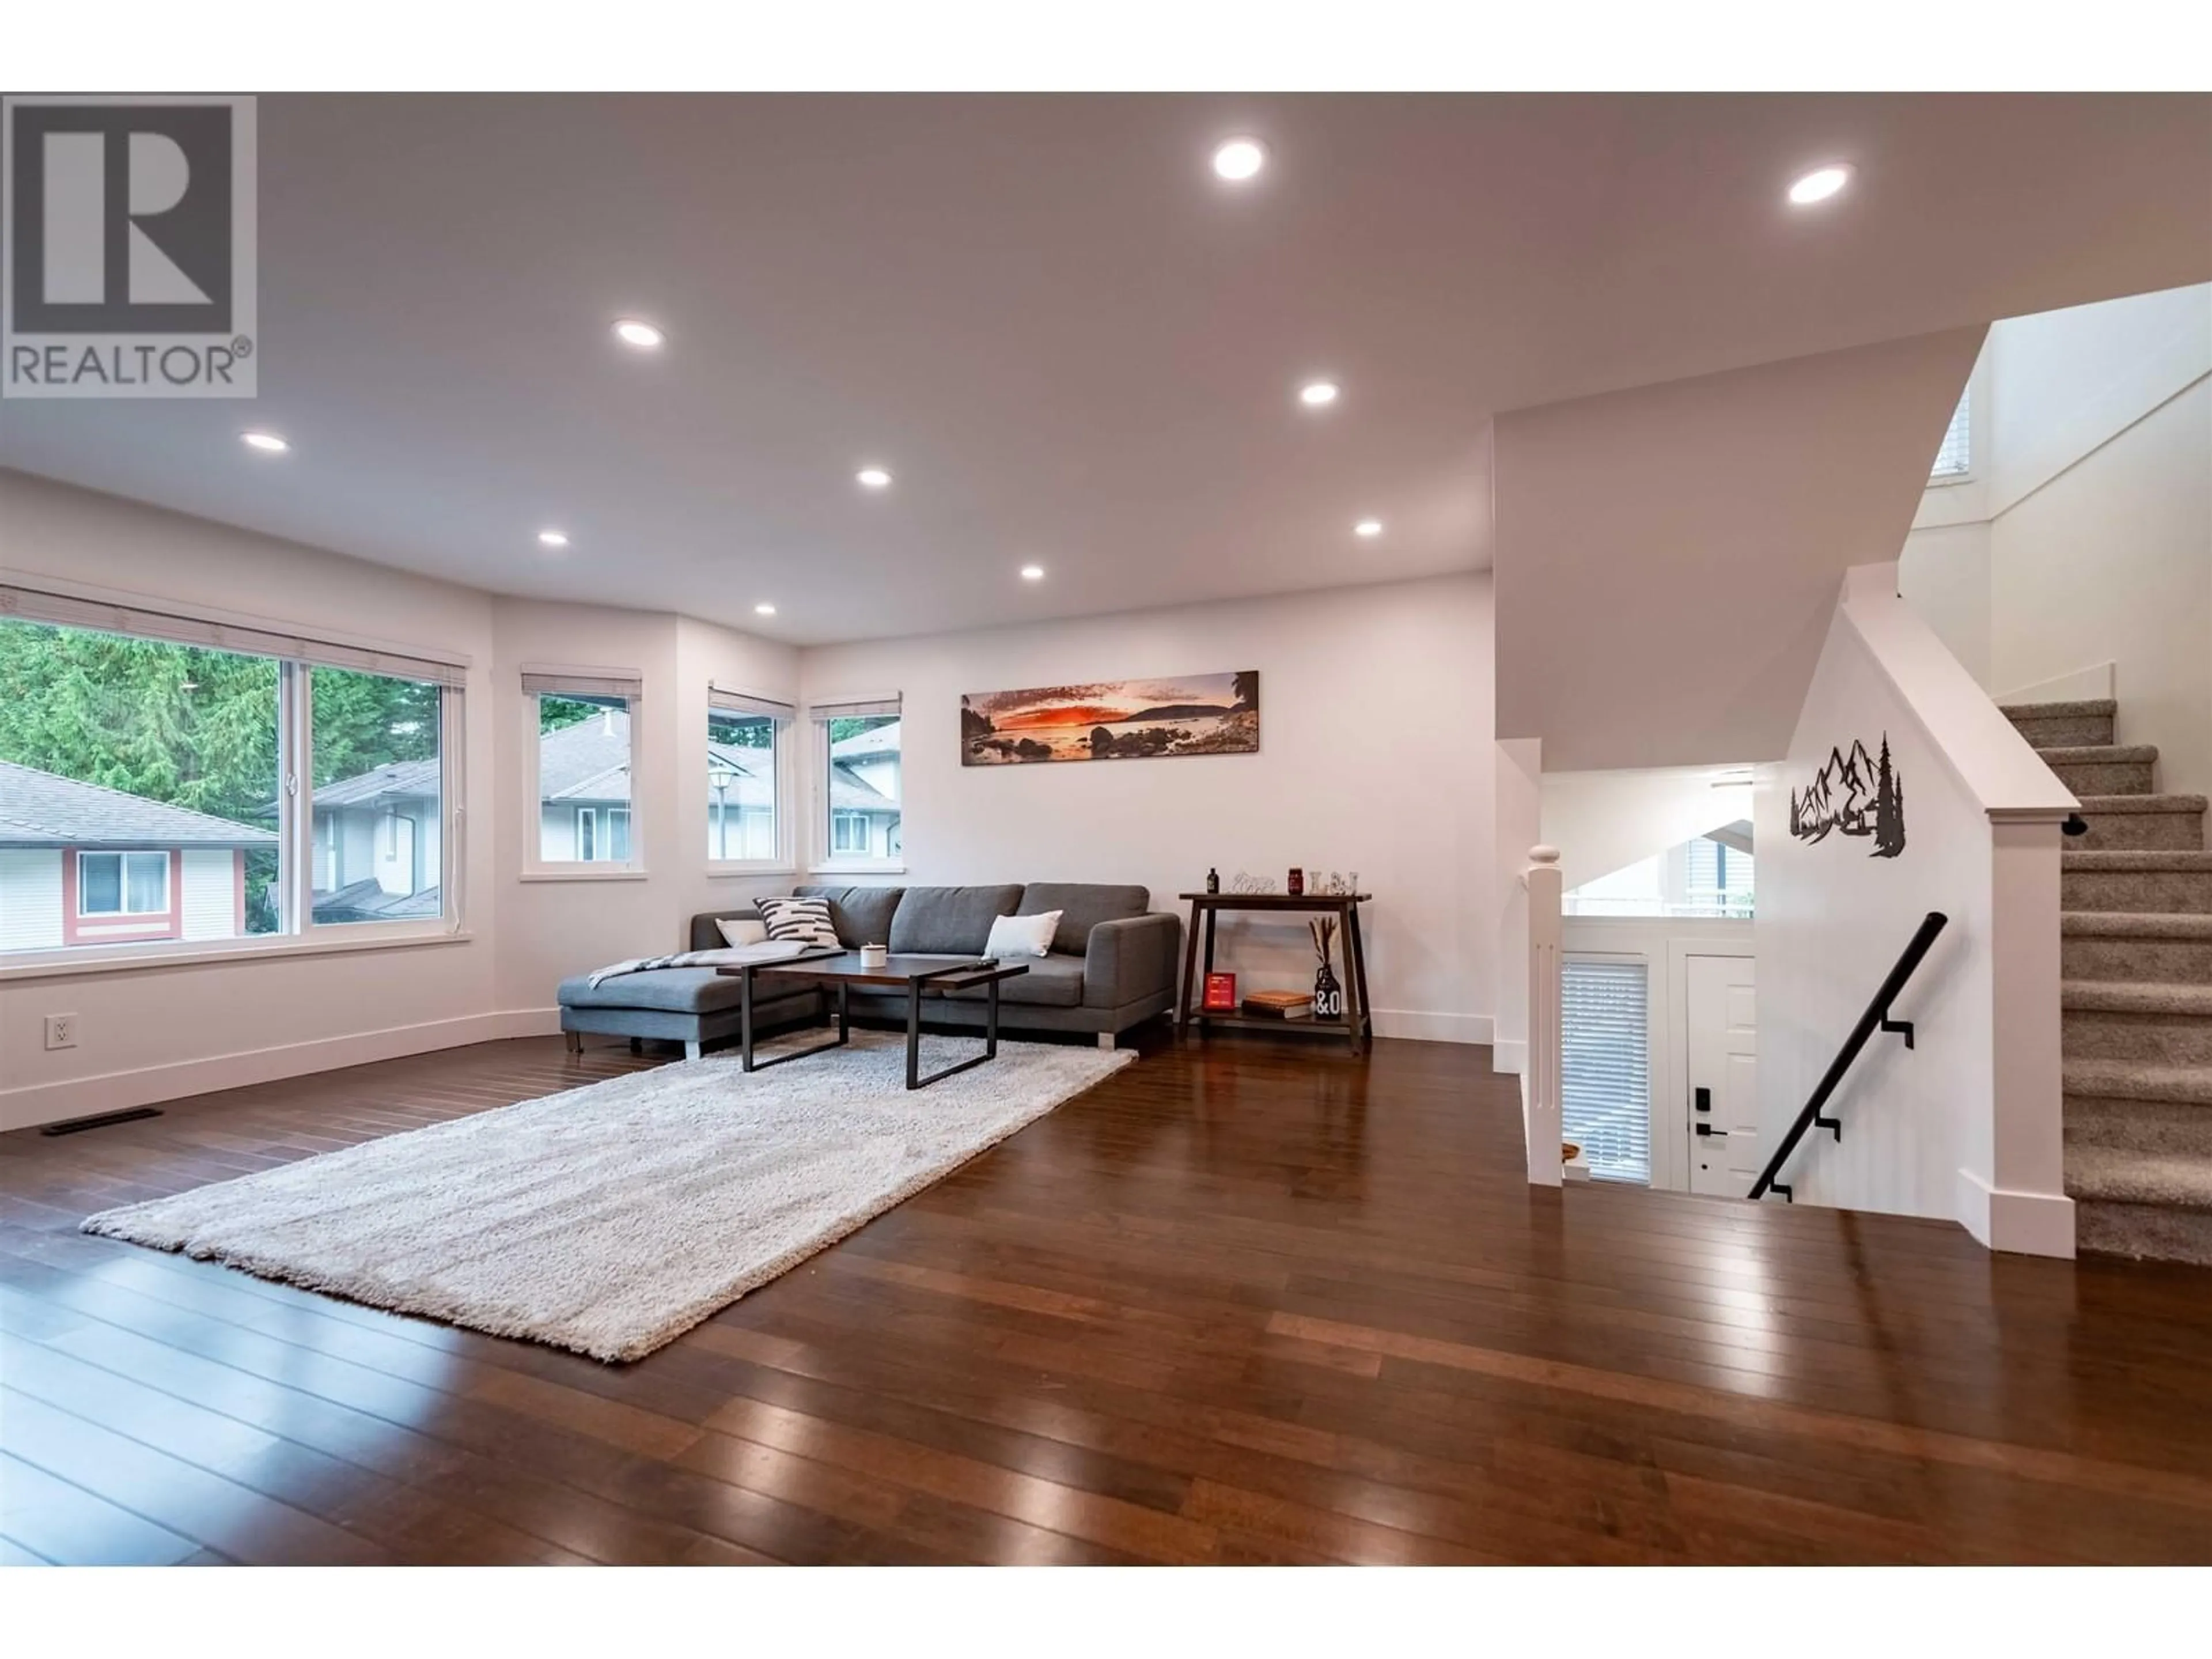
61	1030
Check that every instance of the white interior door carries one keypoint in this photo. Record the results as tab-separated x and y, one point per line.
1722	1042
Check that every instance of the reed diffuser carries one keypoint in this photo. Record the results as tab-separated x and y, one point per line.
1328	995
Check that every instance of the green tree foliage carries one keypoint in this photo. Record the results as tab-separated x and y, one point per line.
366	720
173	723
555	714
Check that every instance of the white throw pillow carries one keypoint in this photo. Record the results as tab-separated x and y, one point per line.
803	919
742	930
1022	936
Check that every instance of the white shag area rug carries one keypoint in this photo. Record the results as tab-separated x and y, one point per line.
612	1218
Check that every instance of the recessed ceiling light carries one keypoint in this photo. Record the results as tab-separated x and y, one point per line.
1238	159
1820	184
267	442
873	477
763	609
1032	573
1317	394
1368	528
551	538
634	332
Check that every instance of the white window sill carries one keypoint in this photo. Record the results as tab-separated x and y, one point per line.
325	941
1944	480
719	869
584	872
856	869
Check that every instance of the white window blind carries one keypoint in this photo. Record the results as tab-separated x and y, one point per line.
745	703
583	682
1605	1073
35	605
855	708
1955	458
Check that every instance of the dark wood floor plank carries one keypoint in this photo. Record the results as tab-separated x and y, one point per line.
1247	1301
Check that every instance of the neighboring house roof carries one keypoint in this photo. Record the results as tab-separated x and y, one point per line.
365	901
754	784
417	779
881	742
43	809
849	792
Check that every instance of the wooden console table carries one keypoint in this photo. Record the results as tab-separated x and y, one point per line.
1358	1022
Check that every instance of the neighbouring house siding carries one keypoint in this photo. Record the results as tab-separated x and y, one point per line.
30	898
212	892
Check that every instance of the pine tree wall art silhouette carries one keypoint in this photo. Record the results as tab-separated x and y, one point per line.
1853	794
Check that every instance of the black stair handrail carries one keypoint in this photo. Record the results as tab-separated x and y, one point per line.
1876	1017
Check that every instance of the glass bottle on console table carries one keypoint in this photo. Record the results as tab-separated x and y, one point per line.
1214	881
1297	881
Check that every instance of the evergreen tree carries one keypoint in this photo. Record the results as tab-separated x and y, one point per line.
1888	807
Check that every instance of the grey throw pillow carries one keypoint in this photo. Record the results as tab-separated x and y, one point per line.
799	920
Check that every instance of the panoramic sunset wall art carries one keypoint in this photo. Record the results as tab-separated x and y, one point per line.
1113	720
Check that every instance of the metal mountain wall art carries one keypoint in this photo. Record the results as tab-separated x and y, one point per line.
1853	794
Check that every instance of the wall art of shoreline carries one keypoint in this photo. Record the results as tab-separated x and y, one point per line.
1113	720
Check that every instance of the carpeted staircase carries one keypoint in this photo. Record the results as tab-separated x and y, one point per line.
2136	957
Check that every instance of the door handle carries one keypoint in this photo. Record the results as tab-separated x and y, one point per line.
1710	1132
1703	1100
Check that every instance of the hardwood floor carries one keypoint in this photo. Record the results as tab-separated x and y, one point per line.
1245	1302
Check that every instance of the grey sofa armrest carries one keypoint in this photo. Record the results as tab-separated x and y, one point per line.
1131	958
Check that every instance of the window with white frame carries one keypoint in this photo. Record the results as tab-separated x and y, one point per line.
1604	1072
857	743
168	779
122	884
746	743
1954	461
584	760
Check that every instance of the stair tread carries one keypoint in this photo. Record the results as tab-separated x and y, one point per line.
2089	707
2093	804
2122	1174
2136	996
2129	1079
2101	754
2134	923
2121	859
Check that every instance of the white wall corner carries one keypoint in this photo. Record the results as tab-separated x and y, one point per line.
1509	1059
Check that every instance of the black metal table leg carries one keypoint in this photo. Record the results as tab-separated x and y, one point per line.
745	1027
914	1034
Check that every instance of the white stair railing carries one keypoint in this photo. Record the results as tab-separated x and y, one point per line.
1540	1094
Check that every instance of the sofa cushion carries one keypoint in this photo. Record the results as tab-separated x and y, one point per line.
676	991
799	920
949	920
861	915
1082	906
706	929
1051	982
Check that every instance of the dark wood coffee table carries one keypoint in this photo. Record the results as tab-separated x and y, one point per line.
917	974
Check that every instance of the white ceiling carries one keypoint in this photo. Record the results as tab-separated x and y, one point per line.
1068	341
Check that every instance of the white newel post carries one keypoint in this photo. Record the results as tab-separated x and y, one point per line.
1541	1096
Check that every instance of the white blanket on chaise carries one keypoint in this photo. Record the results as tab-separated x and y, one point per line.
731	956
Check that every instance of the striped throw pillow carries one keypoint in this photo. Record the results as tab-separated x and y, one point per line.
799	920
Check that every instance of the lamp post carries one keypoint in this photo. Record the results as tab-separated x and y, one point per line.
721	774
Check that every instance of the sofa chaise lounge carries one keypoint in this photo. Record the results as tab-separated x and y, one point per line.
1112	965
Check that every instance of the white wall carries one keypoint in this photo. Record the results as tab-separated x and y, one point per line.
1668	555
1603	822
2086	535
154	1033
1375	755
1965	1125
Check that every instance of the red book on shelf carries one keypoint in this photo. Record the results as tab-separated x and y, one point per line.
1221	993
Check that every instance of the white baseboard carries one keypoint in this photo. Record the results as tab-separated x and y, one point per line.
2025	1224
116	1091
1509	1057
1426	1027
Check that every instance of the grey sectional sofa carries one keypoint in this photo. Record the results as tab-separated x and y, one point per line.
1112	965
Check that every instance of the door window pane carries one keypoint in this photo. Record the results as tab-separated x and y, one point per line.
379	797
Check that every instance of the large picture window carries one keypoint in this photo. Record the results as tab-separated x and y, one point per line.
585	762
745	743
857	745
148	791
